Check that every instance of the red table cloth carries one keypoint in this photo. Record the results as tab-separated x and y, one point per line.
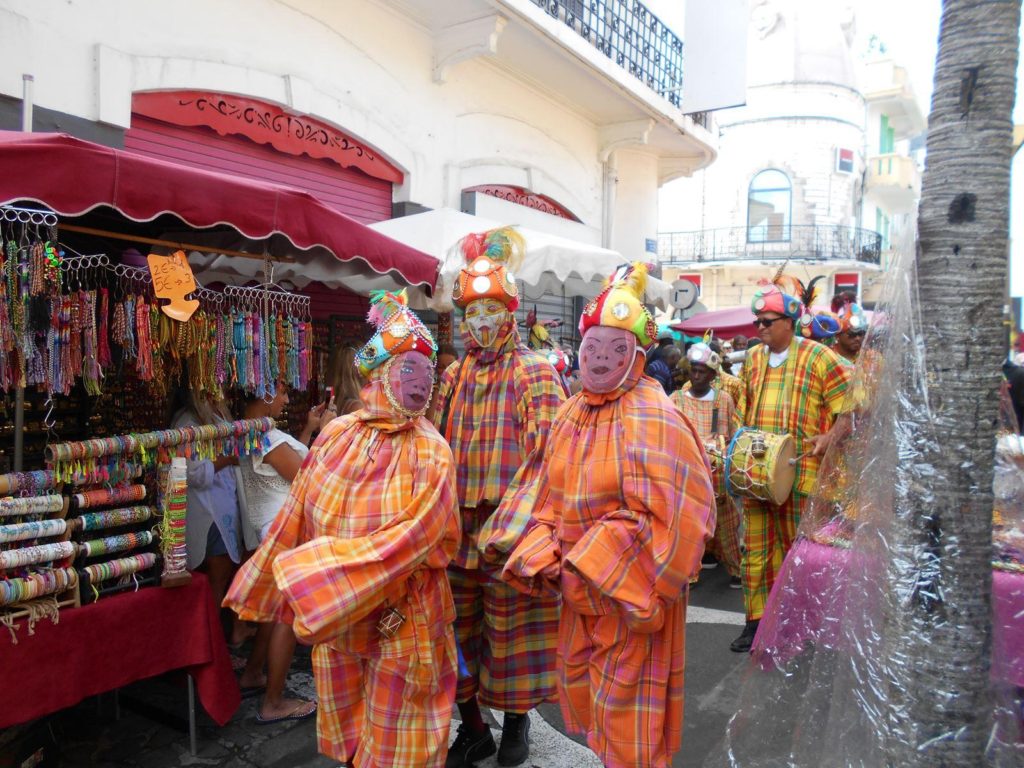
116	641
796	615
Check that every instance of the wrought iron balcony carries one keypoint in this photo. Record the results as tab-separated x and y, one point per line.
813	242
628	33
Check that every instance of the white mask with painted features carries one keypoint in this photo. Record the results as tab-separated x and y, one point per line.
483	319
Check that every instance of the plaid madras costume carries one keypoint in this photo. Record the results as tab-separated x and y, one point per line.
733	385
801	397
371	521
499	402
620	514
725	545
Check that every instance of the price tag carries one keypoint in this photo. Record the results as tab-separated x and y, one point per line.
173	280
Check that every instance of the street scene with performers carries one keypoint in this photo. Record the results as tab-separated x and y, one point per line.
542	383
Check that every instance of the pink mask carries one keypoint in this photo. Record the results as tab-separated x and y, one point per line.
410	380
606	357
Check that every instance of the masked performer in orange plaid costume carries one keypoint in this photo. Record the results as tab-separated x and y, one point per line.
356	561
621	511
792	386
495	409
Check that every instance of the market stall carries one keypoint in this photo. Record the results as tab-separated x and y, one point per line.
94	340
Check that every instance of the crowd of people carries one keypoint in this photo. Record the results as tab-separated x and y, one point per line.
510	525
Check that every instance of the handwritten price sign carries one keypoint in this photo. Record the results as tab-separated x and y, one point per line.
173	280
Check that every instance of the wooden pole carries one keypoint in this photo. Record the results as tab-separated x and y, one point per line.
166	243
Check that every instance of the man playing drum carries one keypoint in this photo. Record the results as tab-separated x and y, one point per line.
792	386
711	412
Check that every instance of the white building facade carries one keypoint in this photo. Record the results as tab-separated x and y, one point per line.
813	170
516	108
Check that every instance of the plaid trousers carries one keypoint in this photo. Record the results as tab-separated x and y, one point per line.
508	640
385	710
725	546
768	535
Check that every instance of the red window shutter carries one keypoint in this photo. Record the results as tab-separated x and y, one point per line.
349	190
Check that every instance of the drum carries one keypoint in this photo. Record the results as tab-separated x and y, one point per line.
760	465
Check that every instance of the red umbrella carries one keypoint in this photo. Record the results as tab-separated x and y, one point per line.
725	323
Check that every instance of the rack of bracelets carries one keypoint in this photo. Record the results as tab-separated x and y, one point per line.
164	452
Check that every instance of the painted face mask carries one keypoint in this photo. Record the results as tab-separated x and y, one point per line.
606	357
408	383
483	320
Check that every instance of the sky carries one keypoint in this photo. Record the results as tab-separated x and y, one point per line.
909	29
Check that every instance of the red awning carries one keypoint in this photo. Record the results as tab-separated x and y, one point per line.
726	323
71	177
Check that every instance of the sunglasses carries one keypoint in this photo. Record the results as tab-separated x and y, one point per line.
764	323
855	333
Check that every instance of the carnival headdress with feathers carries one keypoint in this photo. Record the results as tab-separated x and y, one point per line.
398	330
620	305
851	315
784	295
491	259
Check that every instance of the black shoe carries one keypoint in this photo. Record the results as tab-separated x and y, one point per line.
515	739
735	583
746	639
708	561
470	746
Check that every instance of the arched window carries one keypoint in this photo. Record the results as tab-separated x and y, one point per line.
769	204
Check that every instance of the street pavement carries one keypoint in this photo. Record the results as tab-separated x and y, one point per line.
145	733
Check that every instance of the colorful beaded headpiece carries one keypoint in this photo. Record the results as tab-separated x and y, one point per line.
620	305
398	331
490	259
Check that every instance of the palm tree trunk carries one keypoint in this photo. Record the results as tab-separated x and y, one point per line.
940	708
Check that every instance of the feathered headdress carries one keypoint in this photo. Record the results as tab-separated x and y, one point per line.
398	330
850	313
491	259
620	305
783	295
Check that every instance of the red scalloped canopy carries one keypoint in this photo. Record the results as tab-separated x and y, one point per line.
71	177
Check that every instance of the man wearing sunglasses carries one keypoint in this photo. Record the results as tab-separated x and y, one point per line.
853	326
795	386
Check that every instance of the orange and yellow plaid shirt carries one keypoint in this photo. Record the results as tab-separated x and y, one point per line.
801	397
502	402
372	520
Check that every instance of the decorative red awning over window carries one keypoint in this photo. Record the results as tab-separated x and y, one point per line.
265	123
72	176
521	196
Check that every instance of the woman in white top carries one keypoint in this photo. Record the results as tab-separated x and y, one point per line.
266	482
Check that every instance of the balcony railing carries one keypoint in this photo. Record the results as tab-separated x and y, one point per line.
630	35
771	243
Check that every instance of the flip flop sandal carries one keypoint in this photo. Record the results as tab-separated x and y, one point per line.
295	714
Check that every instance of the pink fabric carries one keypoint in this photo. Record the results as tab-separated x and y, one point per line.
1008	627
798	608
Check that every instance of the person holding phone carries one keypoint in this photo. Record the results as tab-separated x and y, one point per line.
267	480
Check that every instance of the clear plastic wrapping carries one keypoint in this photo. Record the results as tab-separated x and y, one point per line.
842	670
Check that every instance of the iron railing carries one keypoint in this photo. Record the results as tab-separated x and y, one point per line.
630	35
815	242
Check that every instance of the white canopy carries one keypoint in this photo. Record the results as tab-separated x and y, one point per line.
552	263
